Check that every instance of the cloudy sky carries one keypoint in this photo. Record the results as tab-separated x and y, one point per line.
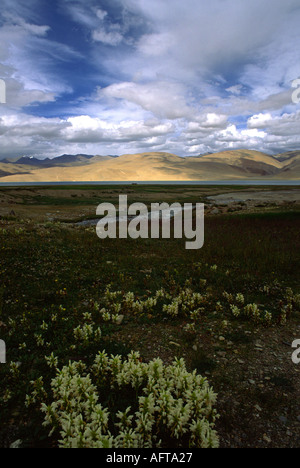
126	76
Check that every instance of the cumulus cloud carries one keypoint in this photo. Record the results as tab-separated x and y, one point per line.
26	132
286	125
163	99
87	129
188	77
108	33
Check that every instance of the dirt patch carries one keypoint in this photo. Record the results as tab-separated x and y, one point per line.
257	196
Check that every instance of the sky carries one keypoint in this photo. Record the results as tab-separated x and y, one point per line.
110	77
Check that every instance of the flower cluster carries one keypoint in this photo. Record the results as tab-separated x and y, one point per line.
38	394
191	305
187	302
255	313
86	333
235	310
170	404
240	299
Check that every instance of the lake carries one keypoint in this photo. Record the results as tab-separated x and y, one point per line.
193	182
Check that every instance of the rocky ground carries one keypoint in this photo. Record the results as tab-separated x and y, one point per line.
251	370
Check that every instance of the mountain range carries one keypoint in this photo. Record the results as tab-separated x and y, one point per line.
153	166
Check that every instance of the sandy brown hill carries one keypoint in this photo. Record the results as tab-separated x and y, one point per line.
239	156
288	156
13	168
250	163
291	168
157	166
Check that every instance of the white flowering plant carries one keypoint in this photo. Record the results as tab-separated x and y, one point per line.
191	305
161	406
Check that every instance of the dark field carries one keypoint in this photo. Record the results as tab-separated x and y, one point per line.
56	277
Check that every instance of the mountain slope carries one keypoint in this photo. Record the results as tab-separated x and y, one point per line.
291	167
156	166
60	161
284	157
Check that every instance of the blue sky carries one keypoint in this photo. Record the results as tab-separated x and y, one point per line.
115	77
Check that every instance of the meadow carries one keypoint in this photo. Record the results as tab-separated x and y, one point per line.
142	343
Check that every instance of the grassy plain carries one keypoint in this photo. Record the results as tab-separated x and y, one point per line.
55	274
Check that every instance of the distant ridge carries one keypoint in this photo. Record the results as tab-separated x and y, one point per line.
47	162
154	166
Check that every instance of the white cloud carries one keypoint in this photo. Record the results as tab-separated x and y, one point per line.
101	14
112	38
218	37
259	120
163	99
236	90
155	45
85	129
97	20
286	125
29	80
